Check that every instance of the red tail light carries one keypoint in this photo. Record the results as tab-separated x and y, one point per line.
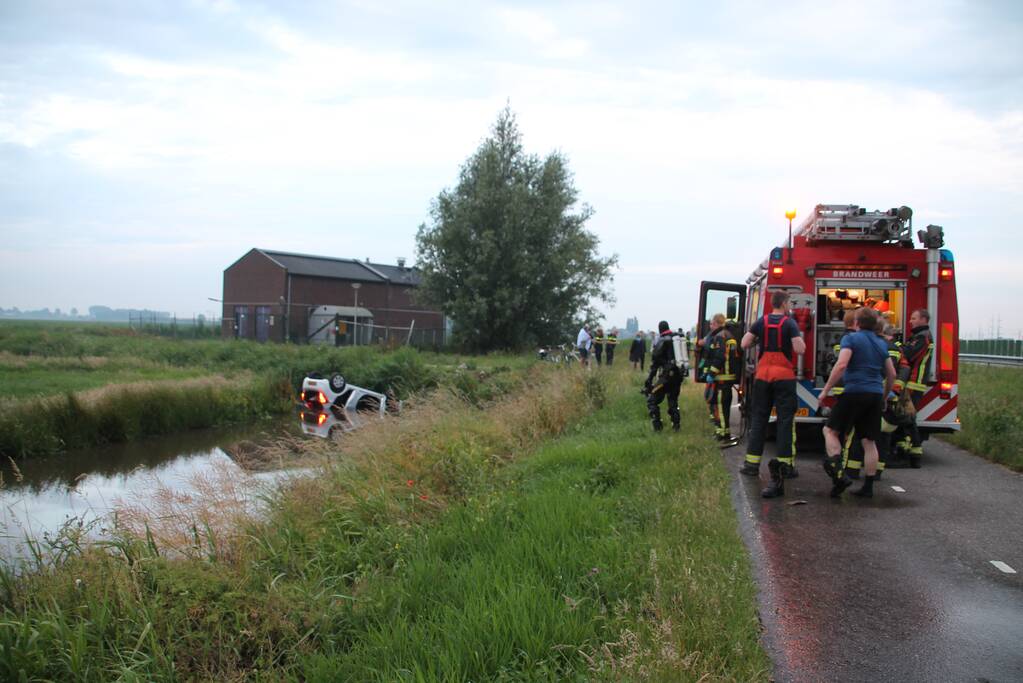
777	271
321	418
945	390
321	397
946	273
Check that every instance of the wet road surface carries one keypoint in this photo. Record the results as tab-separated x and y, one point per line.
900	587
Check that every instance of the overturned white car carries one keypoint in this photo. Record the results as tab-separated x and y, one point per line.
330	404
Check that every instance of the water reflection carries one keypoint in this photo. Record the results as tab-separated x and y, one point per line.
41	495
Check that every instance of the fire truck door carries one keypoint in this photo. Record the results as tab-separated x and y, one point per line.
726	298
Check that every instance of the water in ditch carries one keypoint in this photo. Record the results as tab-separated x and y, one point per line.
41	496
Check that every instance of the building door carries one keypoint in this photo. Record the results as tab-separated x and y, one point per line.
241	322
262	323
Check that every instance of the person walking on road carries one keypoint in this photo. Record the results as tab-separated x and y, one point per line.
774	387
637	352
863	361
583	342
610	342
669	379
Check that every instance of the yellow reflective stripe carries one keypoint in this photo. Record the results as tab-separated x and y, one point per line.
752	459
921	372
837	390
916	386
724	378
721	408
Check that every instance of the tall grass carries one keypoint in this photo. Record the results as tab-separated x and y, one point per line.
545	536
991	413
125	412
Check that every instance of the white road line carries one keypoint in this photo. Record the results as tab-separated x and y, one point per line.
1001	566
899	489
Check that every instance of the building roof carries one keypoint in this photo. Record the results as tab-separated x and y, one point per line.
342	268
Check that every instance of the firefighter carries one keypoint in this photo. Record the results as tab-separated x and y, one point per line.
774	386
668	379
723	363
704	346
598	345
913	376
609	345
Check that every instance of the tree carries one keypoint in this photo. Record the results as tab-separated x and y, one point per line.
505	256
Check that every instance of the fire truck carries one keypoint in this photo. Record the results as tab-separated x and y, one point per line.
840	258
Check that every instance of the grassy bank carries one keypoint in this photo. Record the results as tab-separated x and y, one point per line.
66	385
991	413
547	536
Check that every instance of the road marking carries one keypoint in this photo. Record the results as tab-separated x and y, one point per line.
899	489
1003	567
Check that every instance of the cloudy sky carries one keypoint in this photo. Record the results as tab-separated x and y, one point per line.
144	146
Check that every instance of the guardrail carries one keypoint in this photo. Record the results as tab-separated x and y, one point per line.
990	360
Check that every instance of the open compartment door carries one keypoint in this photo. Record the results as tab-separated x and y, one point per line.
718	297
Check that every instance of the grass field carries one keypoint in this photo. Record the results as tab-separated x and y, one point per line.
69	385
991	413
544	536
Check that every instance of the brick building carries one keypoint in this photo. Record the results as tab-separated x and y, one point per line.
279	296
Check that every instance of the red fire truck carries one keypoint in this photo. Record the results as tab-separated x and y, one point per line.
843	257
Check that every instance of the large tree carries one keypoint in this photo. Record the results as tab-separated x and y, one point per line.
507	255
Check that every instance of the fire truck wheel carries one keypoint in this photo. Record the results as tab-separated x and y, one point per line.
337	383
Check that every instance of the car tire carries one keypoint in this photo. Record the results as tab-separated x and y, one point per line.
337	383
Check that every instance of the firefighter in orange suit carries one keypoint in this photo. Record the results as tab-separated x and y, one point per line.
774	386
723	364
913	376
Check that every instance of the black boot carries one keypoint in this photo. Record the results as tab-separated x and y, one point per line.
852	472
914	461
777	486
676	426
833	466
789	471
867	490
750	469
658	425
840	484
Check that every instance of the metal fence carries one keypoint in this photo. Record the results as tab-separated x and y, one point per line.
196	327
1010	348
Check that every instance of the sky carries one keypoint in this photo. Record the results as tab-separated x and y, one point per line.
145	146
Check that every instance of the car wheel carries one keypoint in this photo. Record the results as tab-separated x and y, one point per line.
337	383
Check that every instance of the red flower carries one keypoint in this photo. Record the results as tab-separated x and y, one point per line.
424	497
410	483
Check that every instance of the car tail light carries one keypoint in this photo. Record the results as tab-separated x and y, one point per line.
321	418
321	397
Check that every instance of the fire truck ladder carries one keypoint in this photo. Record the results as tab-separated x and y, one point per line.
839	222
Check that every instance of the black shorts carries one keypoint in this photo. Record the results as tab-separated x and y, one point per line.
859	410
584	353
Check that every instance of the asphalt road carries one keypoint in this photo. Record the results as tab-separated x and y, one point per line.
900	587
